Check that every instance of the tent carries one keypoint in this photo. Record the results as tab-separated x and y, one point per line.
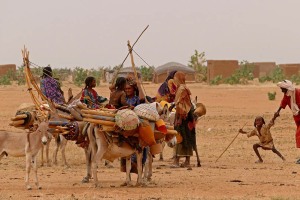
161	72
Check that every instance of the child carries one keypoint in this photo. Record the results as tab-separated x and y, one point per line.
89	95
262	131
117	96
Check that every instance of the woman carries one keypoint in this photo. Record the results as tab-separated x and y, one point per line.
132	93
167	90
184	121
89	95
50	87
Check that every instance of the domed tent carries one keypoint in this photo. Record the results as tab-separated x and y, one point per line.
124	72
161	72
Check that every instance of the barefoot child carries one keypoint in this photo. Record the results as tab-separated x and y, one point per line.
262	131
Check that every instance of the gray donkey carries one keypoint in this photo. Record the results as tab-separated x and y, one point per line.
28	144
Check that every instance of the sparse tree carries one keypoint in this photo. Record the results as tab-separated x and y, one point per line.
197	62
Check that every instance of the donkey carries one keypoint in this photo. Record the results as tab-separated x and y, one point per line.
101	148
26	144
60	143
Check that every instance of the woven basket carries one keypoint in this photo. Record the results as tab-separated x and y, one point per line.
147	111
127	119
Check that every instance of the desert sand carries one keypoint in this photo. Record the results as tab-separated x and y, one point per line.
234	176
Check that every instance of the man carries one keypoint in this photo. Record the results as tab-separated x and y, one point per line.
292	99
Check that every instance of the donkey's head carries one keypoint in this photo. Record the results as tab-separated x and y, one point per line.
41	126
43	131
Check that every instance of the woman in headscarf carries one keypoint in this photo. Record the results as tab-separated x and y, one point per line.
167	90
184	121
291	98
50	87
132	92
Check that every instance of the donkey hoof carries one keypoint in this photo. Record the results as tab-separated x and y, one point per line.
198	165
123	184
85	180
28	187
39	187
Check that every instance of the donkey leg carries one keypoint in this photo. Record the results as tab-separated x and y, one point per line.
57	145
88	162
63	151
3	154
139	157
28	167
48	161
148	167
34	166
161	155
128	169
42	156
198	159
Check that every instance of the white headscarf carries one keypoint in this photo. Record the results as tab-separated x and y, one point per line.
286	84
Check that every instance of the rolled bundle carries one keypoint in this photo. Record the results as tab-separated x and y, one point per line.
17	123
69	117
96	112
19	117
106	118
98	121
57	123
62	108
107	128
75	114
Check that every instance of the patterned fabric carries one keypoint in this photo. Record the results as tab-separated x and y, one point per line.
264	135
51	89
133	101
91	98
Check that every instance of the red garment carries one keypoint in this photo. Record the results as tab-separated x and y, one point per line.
286	101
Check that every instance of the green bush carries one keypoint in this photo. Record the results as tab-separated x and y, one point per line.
275	76
217	80
147	73
97	74
79	76
241	75
5	80
271	95
295	79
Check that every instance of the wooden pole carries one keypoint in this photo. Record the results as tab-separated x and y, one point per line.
120	67
230	144
142	94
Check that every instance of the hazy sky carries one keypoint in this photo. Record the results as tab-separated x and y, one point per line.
92	33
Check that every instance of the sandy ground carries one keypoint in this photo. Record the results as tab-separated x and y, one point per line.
234	176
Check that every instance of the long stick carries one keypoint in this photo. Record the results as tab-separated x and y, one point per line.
230	143
115	75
